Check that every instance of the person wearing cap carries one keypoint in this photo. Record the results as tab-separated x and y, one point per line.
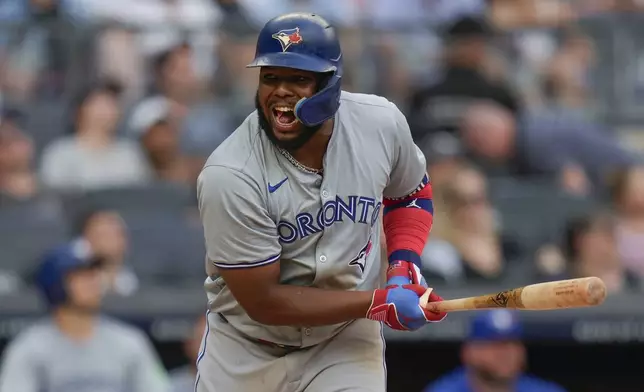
494	359
76	349
154	126
463	81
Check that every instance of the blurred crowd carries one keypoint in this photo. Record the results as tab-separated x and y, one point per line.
108	110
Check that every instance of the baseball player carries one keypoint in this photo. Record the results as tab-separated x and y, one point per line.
76	350
494	359
290	205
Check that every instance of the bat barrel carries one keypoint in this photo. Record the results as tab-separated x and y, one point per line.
561	294
571	293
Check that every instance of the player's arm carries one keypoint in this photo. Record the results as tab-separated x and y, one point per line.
408	206
19	371
242	242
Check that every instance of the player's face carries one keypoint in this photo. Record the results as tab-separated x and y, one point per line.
496	362
85	288
278	92
106	234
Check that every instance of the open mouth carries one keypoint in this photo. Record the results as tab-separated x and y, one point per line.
284	117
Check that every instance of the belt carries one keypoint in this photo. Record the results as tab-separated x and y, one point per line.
262	341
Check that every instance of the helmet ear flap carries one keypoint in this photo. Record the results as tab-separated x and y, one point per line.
322	106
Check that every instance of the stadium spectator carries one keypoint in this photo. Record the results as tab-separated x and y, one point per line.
18	180
175	75
494	359
627	190
33	60
33	219
440	106
202	120
492	139
489	134
576	155
94	157
444	154
185	89
183	378
591	249
106	235
239	29
408	46
567	76
465	243
526	14
131	33
77	349
152	124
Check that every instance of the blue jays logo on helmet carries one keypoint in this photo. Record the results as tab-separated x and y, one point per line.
288	37
309	43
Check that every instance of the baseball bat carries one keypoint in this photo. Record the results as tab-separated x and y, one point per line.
560	294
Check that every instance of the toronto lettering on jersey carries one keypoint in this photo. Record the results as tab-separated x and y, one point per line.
358	209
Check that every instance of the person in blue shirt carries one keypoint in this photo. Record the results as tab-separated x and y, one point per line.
494	359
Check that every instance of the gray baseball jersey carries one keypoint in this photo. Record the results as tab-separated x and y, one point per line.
117	358
258	208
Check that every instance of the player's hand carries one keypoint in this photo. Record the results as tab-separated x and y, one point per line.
402	272
399	307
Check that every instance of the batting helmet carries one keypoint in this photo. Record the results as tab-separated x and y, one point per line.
494	325
309	43
51	273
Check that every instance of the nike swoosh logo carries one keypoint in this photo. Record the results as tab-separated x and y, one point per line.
273	188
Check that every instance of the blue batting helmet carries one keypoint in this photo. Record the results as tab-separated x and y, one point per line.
495	325
309	43
56	264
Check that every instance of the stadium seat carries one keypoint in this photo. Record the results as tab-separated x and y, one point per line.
153	197
164	247
534	212
27	230
46	121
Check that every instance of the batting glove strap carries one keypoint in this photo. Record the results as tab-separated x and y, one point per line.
401	272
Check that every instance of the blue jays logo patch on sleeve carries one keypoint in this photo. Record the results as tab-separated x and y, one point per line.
288	37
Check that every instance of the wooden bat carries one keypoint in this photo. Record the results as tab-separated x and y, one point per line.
561	294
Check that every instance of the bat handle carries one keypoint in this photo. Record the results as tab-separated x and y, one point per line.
424	299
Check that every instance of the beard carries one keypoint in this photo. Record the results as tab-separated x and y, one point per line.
306	133
492	379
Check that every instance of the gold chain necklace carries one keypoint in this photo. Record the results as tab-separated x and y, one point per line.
297	164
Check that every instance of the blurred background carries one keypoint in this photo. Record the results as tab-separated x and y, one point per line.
529	113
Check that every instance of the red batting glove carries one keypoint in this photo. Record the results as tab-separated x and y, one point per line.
399	307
